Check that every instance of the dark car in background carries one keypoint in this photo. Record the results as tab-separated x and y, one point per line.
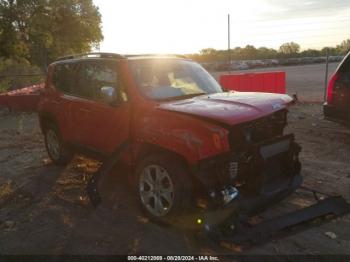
337	105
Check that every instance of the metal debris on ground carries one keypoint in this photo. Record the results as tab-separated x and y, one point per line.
323	210
331	235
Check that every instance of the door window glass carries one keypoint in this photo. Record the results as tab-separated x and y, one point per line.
93	76
64	77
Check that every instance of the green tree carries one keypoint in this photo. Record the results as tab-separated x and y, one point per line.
310	53
265	53
9	68
344	47
331	51
289	49
10	43
208	54
249	52
42	30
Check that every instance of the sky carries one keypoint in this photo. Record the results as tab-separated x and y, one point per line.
187	26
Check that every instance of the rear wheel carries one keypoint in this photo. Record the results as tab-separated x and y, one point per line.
56	149
164	187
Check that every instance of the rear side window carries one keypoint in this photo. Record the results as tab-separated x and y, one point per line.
64	77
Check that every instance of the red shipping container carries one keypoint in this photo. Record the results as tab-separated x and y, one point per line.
269	82
24	99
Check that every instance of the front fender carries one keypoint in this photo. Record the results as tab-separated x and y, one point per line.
193	139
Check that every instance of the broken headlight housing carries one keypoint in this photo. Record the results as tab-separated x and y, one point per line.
258	130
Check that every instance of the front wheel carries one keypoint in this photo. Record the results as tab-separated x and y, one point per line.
57	151
164	187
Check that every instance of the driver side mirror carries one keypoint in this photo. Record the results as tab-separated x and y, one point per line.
108	94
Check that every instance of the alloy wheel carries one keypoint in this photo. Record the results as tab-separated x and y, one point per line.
156	190
53	144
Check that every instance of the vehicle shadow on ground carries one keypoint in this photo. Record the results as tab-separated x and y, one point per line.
54	216
63	221
118	226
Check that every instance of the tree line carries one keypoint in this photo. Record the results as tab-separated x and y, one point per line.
286	50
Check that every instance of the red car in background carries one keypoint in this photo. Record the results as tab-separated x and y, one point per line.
187	138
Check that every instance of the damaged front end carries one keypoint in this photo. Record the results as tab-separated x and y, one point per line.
262	164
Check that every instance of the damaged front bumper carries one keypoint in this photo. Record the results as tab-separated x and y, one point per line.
251	179
245	206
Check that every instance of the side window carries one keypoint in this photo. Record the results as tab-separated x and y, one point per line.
63	77
85	85
93	75
105	75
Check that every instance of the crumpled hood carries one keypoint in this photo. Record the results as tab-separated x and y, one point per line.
230	108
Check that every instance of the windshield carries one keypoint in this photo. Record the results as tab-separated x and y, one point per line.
162	78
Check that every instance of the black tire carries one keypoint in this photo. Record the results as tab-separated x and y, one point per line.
182	184
63	155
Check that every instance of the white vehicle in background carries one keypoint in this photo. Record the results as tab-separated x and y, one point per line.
240	65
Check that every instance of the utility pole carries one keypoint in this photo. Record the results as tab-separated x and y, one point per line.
326	75
228	42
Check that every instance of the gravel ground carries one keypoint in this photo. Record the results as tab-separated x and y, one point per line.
44	210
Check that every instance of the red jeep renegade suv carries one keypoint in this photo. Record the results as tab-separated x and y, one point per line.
187	138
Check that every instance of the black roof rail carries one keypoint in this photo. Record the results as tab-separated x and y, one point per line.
170	55
95	54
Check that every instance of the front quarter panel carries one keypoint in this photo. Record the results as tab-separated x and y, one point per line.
192	138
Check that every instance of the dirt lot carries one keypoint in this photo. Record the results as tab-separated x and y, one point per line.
44	210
